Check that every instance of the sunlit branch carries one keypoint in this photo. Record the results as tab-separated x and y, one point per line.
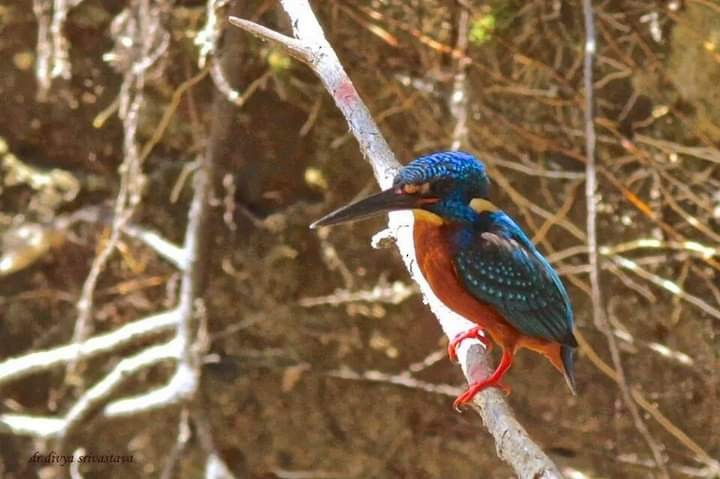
36	362
591	196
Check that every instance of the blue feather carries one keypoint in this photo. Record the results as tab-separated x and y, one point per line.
499	265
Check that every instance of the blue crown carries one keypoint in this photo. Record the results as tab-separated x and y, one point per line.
463	169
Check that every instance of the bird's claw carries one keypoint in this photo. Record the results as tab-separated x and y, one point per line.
474	333
474	389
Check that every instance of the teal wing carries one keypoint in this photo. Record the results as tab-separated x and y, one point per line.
499	265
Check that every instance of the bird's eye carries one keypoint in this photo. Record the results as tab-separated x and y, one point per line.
415	188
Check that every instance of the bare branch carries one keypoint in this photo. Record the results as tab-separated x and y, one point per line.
61	57
394	293
42	9
52	46
667	285
184	382
404	380
207	38
35	426
459	96
599	316
148	39
295	48
166	249
173	460
102	390
215	468
311	47
44	427
182	386
21	366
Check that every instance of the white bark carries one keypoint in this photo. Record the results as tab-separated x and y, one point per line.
21	366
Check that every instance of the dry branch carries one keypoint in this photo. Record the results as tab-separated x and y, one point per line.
166	249
52	45
148	40
21	366
310	46
598	308
141	42
181	386
49	427
184	382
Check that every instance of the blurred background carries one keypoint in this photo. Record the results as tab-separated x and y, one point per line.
300	337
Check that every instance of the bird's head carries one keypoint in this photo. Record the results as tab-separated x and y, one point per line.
443	183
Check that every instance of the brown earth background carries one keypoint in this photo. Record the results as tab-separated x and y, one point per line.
287	308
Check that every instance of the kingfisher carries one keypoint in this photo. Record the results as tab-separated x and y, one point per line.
478	262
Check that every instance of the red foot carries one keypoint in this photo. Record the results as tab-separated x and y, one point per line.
476	333
493	381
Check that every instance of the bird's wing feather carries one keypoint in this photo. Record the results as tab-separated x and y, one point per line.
500	266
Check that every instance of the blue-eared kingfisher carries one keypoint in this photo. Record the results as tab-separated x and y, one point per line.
478	262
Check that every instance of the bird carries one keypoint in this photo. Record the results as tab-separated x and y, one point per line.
479	262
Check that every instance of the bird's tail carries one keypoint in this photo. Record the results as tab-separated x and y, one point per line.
561	356
566	354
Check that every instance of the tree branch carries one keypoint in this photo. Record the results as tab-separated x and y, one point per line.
46	427
290	45
166	249
184	382
21	366
181	386
310	46
599	317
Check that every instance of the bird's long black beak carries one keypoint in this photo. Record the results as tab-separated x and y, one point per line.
383	202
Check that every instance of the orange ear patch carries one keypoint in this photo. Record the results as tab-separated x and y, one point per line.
412	188
481	205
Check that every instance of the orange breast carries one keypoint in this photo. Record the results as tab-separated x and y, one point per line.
432	249
433	252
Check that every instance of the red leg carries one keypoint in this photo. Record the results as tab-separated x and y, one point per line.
470	333
492	381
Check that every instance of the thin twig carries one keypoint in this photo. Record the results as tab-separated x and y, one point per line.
164	248
42	9
599	317
701	455
667	285
404	380
144	28
172	463
184	382
459	96
394	293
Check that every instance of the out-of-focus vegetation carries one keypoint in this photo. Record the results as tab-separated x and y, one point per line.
291	313
482	28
